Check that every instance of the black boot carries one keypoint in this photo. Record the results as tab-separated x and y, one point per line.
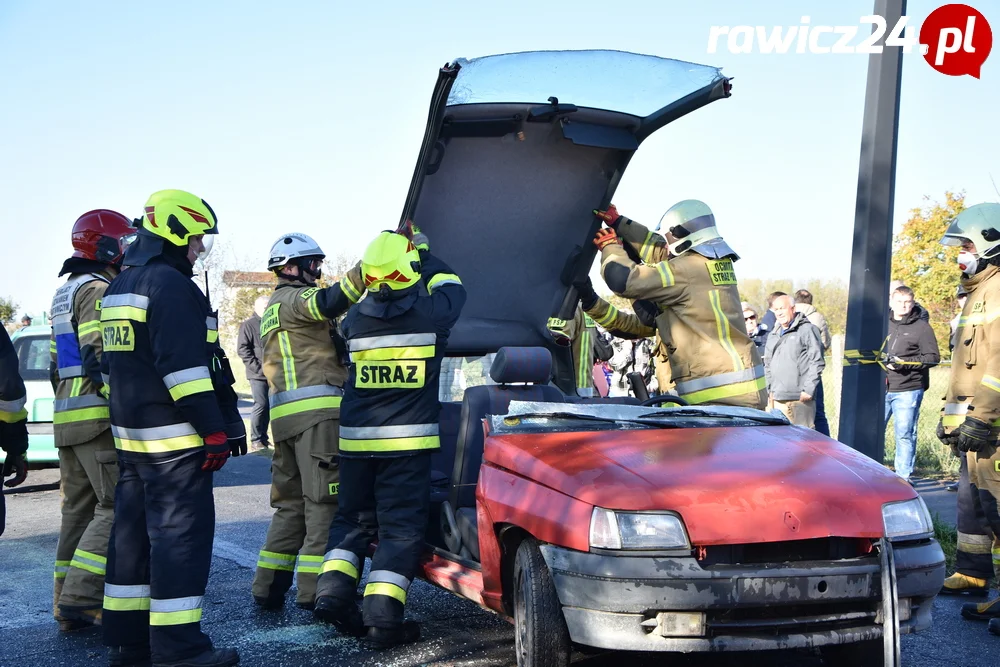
994	626
129	656
382	638
270	603
217	657
345	616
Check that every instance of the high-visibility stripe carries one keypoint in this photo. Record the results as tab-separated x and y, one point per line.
189	388
86	414
283	397
996	557
15	405
313	306
13	417
188	381
991	382
63	325
276	561
123	313
310	564
126	598
75	386
648	245
388	577
384	432
88	328
692	386
132	300
722	327
728	390
306	405
978	319
666	275
347	287
391	445
390	353
974	544
390	590
397	340
585	369
608	318
287	360
440	279
175	611
156	440
67	372
52	346
77	402
90	562
61	568
341	560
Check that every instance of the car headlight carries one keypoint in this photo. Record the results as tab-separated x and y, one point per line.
636	530
908	518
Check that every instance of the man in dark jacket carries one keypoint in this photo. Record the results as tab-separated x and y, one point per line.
13	420
911	350
249	347
793	362
756	329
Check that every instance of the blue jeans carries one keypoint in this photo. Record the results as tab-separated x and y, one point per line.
905	407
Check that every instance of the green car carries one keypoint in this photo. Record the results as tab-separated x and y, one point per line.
32	347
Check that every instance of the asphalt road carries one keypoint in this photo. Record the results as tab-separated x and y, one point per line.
455	632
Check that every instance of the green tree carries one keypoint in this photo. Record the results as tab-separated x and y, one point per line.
8	310
922	263
830	298
754	291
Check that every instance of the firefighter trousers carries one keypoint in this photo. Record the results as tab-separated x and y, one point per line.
305	482
88	473
984	474
158	558
388	498
975	539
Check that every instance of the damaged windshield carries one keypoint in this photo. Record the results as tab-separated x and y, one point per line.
629	83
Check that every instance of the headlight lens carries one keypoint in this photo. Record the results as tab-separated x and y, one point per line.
908	518
634	530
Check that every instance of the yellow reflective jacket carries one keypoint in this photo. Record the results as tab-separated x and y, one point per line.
302	365
974	385
581	332
712	360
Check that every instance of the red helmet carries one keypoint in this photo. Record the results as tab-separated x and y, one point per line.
102	235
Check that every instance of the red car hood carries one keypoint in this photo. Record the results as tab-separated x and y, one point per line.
731	485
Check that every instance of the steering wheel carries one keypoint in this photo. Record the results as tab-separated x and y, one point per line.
664	398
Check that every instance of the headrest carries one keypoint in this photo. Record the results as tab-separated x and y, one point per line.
522	364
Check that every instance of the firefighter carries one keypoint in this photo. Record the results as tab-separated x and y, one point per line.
580	335
13	421
174	422
389	427
305	369
88	465
688	275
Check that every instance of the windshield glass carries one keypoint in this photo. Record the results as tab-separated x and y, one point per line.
613	80
460	373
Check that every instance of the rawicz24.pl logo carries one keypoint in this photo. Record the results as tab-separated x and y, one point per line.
954	39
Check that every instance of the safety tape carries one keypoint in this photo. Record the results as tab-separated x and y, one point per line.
863	357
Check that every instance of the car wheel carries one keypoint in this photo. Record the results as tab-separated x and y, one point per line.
859	654
541	637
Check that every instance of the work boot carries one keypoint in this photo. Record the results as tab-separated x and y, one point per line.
961	584
129	656
983	611
383	638
216	657
308	605
346	617
994	626
71	620
271	602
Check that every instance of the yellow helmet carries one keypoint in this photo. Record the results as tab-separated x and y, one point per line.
175	215
390	260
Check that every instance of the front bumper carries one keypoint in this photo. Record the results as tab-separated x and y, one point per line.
607	598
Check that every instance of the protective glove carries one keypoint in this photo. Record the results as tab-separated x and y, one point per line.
585	290
556	329
420	239
216	452
610	217
17	465
605	237
973	435
946	438
105	391
236	434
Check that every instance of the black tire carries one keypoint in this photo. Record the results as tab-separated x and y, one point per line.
859	654
541	637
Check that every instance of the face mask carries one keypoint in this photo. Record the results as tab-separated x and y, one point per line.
968	262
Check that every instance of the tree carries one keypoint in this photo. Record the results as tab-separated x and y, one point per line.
8	310
755	291
926	266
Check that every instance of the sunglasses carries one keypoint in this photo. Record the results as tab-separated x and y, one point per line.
747	319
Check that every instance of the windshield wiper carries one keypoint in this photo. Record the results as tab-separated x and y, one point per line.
594	418
657	420
681	412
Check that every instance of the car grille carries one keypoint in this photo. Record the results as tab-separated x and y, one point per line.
776	553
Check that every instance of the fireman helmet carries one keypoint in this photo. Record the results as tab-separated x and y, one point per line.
175	216
102	235
692	224
979	224
293	246
390	260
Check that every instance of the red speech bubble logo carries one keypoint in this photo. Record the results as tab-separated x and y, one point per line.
956	40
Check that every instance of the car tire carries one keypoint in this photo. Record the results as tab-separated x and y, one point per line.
541	637
859	654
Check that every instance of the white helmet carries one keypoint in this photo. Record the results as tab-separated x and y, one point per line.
291	246
979	224
692	223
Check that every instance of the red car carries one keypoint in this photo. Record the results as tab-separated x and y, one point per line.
597	523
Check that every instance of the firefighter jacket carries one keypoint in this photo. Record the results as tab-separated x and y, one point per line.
629	326
304	369
581	334
80	411
13	416
712	360
170	384
974	386
391	404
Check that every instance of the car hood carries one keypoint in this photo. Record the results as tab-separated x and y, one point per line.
730	485
519	150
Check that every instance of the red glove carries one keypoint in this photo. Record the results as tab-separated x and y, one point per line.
406	229
610	216
217	450
605	237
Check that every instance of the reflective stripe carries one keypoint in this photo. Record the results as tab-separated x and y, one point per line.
388	577
67	372
442	279
974	544
390	590
691	386
314	307
61	568
275	561
287	360
88	328
306	405
991	382
159	439
126	598
726	391
106	378
722	327
388	353
90	562
52	346
175	611
212	335
996	556
76	387
77	402
314	391
341	560
394	445
188	381
212	323
347	287
980	318
398	340
124	307
608	318
956	408
310	564
343	554
666	275
585	369
399	431
87	414
13	417
648	245
13	406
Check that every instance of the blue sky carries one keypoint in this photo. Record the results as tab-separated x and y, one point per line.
307	116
